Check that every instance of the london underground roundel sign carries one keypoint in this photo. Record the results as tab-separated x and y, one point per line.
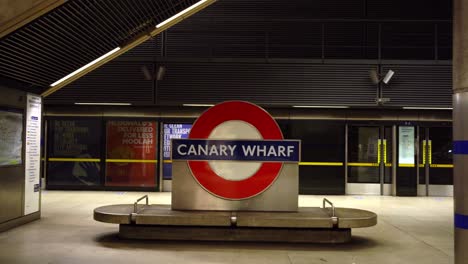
235	150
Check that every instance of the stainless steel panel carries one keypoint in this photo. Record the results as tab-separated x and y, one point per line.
11	177
363	188
387	189
11	192
441	190
422	190
187	194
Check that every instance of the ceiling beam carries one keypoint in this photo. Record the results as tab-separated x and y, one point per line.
25	12
135	42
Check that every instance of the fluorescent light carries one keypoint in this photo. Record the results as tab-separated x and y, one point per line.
180	13
199	105
427	108
320	106
86	66
103	103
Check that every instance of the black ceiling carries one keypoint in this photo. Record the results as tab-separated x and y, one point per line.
77	33
272	34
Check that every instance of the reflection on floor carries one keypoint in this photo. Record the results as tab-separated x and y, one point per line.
409	230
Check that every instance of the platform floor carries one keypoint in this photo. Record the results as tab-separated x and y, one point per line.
410	230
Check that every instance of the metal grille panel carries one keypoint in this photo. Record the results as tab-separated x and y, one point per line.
115	82
77	33
419	85
267	84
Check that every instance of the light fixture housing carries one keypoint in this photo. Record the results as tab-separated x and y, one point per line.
388	76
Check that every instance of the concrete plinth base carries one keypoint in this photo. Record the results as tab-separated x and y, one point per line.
198	233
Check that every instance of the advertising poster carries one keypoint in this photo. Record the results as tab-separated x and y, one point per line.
32	154
77	140
406	145
131	153
172	131
11	133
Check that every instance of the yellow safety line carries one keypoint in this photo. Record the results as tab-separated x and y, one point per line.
445	166
422	165
388	164
424	154
430	152
385	152
167	161
360	164
379	151
321	163
130	161
406	165
74	160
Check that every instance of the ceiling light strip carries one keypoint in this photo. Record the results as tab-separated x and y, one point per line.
103	103
86	66
130	45
426	108
199	105
180	13
320	106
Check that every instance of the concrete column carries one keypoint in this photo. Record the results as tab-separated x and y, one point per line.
460	128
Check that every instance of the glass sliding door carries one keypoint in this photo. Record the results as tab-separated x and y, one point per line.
436	162
369	163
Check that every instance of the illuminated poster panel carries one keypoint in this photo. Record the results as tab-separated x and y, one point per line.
131	153
178	131
32	154
406	145
11	134
74	152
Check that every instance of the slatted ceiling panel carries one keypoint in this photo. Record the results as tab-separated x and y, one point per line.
77	33
444	41
280	9
149	49
267	84
406	40
350	40
412	10
418	85
295	40
117	81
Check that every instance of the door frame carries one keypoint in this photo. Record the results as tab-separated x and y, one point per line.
429	189
380	188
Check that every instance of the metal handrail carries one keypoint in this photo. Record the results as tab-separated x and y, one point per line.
135	205
325	200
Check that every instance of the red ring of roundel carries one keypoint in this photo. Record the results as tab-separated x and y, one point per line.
268	128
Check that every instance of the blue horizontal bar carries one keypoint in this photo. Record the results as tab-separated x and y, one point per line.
460	147
461	221
236	150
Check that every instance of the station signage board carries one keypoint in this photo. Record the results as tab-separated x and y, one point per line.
235	150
